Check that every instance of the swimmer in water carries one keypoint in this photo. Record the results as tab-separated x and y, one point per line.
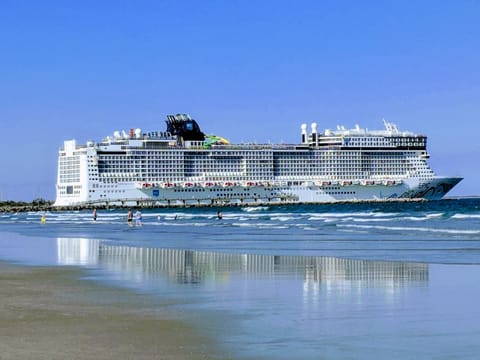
138	218
129	217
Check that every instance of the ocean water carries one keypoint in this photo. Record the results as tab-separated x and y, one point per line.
346	281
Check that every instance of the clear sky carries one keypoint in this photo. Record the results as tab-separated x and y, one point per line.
246	70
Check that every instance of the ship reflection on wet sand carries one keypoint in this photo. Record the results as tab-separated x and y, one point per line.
197	267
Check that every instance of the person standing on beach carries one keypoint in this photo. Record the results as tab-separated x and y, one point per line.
138	218
129	217
94	214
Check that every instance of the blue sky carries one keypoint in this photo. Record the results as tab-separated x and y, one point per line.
246	70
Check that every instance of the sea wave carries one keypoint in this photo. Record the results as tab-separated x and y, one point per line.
407	228
255	209
466	216
260	225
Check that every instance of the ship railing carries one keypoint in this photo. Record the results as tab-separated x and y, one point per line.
255	146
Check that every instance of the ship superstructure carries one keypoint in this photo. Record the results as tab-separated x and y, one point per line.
183	166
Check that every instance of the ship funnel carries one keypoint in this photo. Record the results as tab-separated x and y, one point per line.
314	134
304	133
138	132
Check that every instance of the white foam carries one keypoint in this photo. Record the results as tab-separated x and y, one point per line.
282	218
405	228
435	215
371	220
465	216
308	228
257	208
260	225
413	218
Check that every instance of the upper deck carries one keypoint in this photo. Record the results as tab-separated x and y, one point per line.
184	133
358	138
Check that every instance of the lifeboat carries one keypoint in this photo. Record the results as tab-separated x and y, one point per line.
251	183
346	183
368	182
168	185
188	184
325	183
209	184
228	184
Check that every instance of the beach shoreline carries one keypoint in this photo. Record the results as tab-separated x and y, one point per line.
52	313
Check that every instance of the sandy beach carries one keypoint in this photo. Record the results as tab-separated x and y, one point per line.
49	313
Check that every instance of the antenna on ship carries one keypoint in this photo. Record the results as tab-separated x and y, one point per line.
391	128
387	125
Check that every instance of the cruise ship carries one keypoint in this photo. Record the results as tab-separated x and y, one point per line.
182	166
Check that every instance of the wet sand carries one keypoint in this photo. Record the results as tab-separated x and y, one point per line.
49	313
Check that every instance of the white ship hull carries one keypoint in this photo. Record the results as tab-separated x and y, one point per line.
308	192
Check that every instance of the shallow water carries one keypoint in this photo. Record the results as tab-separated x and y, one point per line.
311	282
